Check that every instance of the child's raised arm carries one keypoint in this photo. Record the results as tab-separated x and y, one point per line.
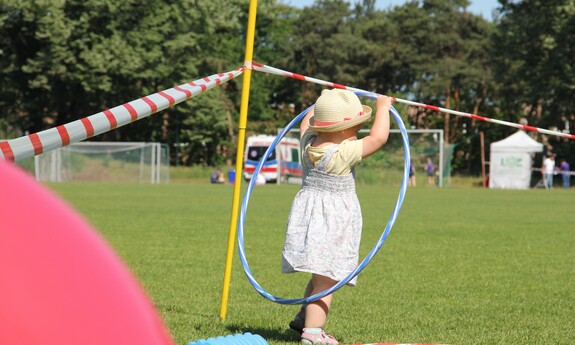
380	130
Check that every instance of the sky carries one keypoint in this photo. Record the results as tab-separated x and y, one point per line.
480	7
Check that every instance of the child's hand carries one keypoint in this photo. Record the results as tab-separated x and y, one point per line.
383	101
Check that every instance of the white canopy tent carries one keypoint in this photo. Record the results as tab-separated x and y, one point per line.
510	161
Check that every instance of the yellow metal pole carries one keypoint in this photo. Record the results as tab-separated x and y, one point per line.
239	155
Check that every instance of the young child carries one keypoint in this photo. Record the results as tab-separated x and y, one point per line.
324	227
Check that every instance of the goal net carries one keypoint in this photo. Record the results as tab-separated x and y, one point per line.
135	162
387	165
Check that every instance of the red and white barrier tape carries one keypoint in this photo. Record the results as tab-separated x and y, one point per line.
63	135
54	138
272	70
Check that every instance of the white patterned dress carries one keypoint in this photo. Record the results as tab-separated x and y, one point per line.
324	226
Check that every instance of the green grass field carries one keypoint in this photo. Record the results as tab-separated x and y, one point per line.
461	265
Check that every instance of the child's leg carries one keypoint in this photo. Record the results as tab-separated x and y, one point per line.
298	322
316	312
307	293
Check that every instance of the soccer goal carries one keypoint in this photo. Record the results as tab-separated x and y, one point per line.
135	162
424	144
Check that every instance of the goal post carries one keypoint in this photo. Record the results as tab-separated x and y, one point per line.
424	143
136	162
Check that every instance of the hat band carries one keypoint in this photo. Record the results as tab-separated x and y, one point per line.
326	123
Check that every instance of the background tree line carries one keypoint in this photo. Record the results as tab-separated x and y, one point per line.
64	60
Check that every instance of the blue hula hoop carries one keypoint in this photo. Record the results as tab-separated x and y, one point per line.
376	247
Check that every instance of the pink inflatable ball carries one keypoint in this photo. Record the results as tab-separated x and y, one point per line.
60	283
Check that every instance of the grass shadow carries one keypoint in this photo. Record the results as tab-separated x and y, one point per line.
284	335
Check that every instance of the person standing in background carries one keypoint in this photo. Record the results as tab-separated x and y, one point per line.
548	170
565	173
430	170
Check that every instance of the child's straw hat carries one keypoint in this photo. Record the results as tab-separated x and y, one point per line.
336	110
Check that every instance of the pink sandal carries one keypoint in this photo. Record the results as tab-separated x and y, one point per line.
317	338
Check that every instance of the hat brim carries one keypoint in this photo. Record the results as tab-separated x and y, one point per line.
343	124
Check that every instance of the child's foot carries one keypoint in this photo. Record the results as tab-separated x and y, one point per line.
297	323
317	336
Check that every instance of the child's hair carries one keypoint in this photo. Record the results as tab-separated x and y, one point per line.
336	110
